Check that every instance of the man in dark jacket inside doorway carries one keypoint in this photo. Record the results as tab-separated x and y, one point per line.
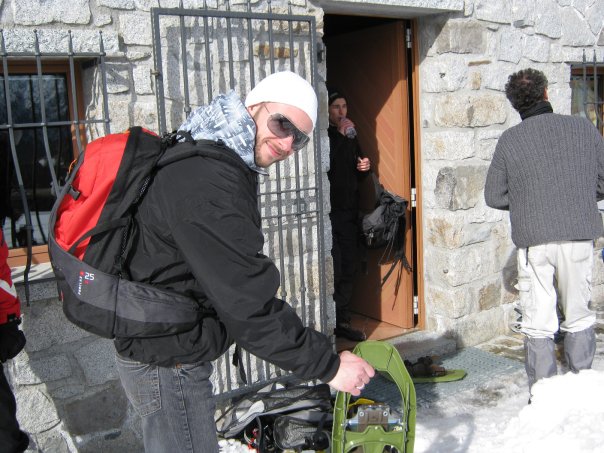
346	164
548	171
198	232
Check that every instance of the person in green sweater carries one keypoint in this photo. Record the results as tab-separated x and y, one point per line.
548	172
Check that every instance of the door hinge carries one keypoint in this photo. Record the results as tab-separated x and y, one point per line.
415	305
408	39
413	197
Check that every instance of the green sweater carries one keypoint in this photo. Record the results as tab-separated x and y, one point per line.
548	171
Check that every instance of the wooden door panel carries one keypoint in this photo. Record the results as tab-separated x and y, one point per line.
369	67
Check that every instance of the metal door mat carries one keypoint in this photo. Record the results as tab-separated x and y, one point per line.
480	365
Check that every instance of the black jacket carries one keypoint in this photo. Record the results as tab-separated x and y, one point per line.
343	174
199	232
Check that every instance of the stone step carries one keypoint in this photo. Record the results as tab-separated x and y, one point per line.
419	344
42	283
38	290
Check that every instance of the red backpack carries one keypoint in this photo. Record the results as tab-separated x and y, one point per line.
89	234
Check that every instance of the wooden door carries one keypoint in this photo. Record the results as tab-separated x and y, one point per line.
370	67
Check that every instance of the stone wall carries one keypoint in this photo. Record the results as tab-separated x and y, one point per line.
465	61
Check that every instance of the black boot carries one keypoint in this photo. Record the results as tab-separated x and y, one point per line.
345	330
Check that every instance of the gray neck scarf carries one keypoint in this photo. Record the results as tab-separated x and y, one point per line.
226	119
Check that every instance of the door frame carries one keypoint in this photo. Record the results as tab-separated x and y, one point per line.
414	156
416	173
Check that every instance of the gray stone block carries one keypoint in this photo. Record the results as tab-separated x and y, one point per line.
454	231
142	79
445	73
448	145
52	441
460	187
36	411
536	49
105	410
575	30
478	327
489	296
452	268
510	45
451	303
117	4
38	290
463	36
35	12
56	40
499	11
45	326
118	78
63	390
97	359
461	110
135	29
550	20
118	441
37	371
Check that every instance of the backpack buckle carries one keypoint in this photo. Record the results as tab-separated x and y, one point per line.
75	194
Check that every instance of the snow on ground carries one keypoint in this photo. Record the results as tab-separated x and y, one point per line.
566	415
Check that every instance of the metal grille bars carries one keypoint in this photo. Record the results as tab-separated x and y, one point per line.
11	126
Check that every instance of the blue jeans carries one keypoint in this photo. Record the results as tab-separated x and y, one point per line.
176	405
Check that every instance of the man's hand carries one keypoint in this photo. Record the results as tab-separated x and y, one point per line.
353	374
12	340
345	123
363	164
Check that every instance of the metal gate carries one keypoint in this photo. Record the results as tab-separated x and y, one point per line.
201	53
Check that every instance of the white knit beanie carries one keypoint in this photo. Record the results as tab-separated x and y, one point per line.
285	88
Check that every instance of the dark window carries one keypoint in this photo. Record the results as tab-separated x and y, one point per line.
30	111
587	84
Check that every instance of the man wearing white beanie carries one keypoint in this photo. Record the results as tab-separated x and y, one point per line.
198	232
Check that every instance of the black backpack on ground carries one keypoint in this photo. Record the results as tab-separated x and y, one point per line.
385	226
281	417
89	242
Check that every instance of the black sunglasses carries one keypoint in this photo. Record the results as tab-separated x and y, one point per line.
282	127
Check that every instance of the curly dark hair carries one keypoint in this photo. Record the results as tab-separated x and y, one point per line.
525	88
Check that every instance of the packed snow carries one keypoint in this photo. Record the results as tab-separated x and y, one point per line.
566	415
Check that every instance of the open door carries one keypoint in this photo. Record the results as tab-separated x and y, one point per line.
369	66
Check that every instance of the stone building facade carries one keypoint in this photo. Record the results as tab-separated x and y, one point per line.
66	384
466	58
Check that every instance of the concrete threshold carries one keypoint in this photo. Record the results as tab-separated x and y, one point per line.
418	344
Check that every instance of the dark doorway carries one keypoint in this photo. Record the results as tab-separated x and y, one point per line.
368	60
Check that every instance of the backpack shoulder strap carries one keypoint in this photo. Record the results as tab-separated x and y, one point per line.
377	186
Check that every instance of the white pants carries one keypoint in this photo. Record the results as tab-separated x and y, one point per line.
563	266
